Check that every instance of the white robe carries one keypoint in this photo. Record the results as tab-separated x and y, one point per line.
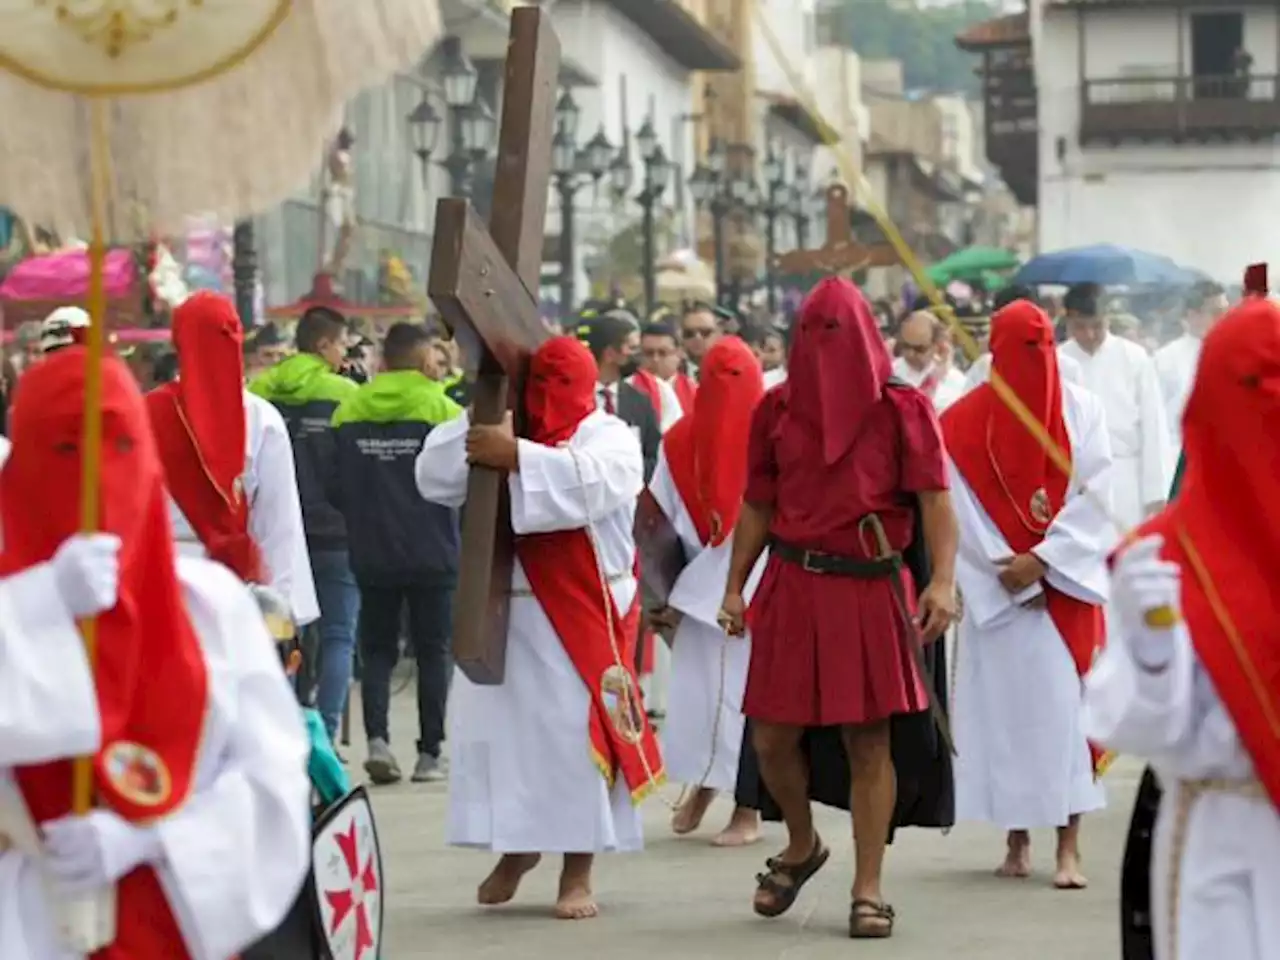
708	668
521	777
275	512
237	851
774	377
1123	376
1176	364
1022	758
1229	868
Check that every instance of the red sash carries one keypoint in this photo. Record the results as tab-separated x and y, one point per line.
565	578
686	390
220	518
647	383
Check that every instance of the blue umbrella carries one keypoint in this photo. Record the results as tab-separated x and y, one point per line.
1103	264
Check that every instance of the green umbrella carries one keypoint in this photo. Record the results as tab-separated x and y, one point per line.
971	263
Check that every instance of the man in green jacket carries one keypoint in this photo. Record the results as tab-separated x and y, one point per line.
404	551
307	389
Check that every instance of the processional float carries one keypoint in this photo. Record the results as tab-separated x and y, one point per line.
122	118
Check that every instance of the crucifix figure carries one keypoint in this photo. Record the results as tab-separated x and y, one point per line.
484	283
840	253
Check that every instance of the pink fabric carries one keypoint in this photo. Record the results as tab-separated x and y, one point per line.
65	276
829	649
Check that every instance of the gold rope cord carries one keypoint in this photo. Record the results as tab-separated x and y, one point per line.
91	439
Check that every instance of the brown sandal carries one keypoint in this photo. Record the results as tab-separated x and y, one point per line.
784	881
869	920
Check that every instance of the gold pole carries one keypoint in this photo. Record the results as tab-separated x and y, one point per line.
91	442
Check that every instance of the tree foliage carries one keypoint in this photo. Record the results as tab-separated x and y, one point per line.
922	37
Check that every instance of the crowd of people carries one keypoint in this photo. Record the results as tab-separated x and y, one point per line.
833	487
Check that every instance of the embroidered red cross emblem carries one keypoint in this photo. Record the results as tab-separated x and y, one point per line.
351	901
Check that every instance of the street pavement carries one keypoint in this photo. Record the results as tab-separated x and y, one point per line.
681	898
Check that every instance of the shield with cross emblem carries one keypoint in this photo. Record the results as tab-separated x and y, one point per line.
347	875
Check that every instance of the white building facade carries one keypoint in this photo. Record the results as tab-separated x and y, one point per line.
1158	129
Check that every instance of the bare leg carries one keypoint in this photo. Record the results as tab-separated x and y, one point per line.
783	770
873	794
576	901
1017	858
742	831
1068	875
689	816
501	885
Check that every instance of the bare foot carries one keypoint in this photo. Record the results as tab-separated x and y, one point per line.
501	885
575	901
689	817
1017	861
1068	875
742	831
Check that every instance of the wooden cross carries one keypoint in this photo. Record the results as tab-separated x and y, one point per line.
484	282
840	252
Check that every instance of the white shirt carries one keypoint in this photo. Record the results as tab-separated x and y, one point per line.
275	512
774	377
1176	364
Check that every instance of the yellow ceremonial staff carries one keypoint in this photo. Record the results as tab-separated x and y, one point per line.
91	442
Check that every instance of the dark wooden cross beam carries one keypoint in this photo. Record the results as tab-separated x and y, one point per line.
484	283
840	252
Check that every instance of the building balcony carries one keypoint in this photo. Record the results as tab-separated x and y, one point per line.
1180	109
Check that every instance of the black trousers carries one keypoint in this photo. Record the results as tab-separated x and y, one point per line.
429	603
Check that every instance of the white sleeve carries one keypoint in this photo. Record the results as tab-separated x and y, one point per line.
441	468
663	487
562	488
671	410
1145	709
1076	544
1155	436
275	517
48	705
236	853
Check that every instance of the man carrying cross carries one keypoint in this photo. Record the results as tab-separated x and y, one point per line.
556	757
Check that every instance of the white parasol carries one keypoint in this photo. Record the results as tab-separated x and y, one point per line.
121	117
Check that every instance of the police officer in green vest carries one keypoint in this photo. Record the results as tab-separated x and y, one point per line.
404	551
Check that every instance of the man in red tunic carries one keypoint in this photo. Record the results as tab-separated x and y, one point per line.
837	454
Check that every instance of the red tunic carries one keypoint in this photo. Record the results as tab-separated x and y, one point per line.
830	649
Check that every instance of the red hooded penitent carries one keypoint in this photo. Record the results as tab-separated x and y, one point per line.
564	575
1008	469
150	675
199	423
1224	527
707	448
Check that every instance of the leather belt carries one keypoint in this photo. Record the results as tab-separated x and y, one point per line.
831	564
611	579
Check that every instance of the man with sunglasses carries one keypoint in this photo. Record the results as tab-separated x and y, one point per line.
699	329
924	359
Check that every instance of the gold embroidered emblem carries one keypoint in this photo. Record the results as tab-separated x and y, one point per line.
137	773
1040	507
622	700
116	25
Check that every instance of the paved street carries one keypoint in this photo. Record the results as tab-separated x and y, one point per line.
682	899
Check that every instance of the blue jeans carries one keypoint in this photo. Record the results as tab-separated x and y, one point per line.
339	599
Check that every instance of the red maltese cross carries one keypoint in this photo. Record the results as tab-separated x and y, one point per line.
351	900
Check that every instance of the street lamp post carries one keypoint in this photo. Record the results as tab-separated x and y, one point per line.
467	117
569	163
800	204
657	173
244	270
720	191
772	206
424	133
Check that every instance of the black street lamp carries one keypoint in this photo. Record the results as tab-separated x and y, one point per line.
424	132
657	174
800	204
244	270
569	164
775	203
719	190
472	123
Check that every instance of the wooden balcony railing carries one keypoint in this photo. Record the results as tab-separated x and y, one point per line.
1180	108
